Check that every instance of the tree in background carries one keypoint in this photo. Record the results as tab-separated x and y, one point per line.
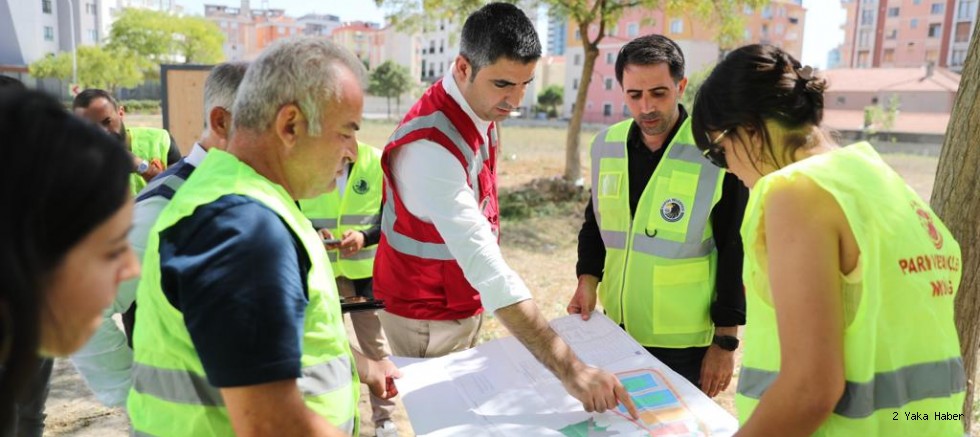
955	200
159	38
551	97
591	18
390	80
694	82
97	68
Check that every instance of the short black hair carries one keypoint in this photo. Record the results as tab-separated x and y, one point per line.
499	30
85	98
7	82
651	50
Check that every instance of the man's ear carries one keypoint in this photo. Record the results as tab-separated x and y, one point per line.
220	121
290	124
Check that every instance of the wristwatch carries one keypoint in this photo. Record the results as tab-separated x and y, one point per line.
726	342
143	167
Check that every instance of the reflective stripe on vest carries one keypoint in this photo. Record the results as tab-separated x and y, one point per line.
474	164
693	246
354	220
324	223
405	244
363	254
888	390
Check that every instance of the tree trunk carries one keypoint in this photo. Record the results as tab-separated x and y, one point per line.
573	163
955	200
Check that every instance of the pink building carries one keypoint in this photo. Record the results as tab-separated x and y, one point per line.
907	33
364	40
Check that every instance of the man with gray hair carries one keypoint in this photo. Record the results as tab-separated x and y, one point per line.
239	329
106	361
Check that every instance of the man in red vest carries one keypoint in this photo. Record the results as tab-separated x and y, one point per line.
439	263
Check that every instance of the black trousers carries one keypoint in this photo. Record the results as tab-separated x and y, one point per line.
28	417
686	361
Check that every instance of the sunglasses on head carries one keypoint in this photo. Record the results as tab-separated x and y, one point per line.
714	153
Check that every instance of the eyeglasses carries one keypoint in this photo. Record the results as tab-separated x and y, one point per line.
715	153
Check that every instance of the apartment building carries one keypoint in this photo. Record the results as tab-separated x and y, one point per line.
907	33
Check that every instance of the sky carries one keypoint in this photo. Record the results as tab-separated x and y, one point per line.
821	34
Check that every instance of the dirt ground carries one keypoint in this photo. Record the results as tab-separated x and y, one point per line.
542	250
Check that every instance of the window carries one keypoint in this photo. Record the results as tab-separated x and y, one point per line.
747	10
888	55
46	6
958	57
577	59
841	100
626	111
574	84
610	58
442	68
48	33
864	38
917	2
90	8
578	34
967	10
891	34
93	36
779	28
632	30
676	25
893	12
748	35
767	12
935	30
863	59
765	31
608	84
442	45
612	31
914	23
937	8
867	17
962	32
606	109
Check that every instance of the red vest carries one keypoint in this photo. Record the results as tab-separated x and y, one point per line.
414	273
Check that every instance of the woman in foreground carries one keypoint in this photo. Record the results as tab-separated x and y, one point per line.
65	210
849	275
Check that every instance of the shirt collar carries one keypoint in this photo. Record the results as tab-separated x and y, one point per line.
452	88
196	156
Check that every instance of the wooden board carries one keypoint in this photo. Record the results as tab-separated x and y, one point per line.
182	102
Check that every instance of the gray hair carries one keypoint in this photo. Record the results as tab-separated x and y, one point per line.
299	70
220	87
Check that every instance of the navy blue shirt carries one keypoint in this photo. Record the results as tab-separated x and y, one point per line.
238	275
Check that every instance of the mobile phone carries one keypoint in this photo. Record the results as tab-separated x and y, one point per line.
331	241
361	305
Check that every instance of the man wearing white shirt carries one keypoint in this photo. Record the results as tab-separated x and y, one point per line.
106	361
439	263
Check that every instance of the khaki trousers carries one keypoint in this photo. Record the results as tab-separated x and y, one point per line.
374	345
430	338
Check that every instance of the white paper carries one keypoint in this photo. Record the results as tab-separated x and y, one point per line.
499	389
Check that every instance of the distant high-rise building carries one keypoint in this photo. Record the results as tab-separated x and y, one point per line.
833	58
907	33
319	24
248	31
30	30
557	33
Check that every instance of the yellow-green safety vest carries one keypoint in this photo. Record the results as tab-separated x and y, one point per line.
659	274
148	143
171	395
357	210
902	365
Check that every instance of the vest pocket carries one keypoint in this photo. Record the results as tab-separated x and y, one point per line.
682	297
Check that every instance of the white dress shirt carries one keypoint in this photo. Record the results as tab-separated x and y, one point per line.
434	188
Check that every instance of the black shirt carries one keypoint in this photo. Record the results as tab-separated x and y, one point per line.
728	309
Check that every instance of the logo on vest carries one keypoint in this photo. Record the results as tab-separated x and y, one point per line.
926	220
672	210
361	186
